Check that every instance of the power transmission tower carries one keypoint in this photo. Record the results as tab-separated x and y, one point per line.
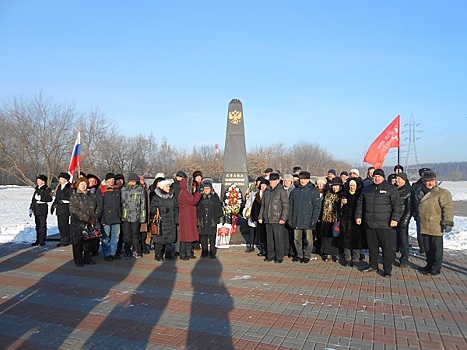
412	164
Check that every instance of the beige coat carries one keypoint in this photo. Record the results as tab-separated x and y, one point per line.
434	211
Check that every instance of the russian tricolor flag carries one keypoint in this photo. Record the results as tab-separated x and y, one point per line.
75	157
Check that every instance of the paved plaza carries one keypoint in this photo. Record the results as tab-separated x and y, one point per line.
237	301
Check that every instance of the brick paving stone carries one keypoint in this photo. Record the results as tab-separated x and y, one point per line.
320	305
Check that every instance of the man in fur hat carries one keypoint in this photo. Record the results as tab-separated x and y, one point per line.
61	206
42	195
434	211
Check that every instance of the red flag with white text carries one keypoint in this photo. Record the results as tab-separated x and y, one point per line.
389	138
75	157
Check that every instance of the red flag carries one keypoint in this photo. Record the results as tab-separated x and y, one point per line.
75	157
389	138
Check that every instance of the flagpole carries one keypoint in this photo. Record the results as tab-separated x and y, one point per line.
79	164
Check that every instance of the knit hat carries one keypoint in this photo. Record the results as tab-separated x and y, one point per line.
321	181
197	173
109	176
429	175
273	176
207	183
304	175
161	184
82	179
355	171
379	172
288	177
181	174
66	176
331	171
133	176
42	177
160	175
403	176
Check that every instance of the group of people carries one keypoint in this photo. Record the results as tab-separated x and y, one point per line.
122	210
334	217
339	216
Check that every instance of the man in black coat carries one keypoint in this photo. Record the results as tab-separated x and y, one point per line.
304	209
402	230
379	207
42	195
274	213
61	206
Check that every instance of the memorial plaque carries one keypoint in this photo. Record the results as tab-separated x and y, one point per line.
235	169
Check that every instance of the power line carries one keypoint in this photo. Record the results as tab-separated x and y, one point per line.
412	164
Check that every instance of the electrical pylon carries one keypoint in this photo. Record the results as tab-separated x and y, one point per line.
411	163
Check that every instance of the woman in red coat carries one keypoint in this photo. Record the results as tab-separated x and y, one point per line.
188	220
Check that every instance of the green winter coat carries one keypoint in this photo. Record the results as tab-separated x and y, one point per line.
434	211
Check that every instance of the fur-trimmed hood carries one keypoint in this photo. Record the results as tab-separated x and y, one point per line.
163	194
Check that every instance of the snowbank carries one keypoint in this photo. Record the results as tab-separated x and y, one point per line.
17	226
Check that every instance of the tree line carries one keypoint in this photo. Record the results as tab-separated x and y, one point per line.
37	135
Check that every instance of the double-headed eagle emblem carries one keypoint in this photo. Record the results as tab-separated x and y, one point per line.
235	117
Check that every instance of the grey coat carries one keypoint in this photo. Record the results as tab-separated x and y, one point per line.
274	205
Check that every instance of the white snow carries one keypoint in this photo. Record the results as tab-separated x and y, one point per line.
17	226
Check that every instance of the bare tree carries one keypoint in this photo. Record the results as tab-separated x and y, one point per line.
35	137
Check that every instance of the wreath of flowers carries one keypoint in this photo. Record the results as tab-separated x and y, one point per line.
233	200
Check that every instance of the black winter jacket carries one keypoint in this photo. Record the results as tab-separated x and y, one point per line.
109	199
274	205
209	212
305	207
407	195
168	210
39	205
378	205
61	204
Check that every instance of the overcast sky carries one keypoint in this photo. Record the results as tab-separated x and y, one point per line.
334	73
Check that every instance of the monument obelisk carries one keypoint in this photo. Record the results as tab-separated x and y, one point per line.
235	169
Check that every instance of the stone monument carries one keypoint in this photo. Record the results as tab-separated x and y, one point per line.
235	169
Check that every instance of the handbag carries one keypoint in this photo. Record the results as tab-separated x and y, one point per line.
156	224
91	232
336	229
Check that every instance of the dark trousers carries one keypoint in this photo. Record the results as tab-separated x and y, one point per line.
251	243
41	228
64	228
434	246
289	242
186	248
403	244
261	232
276	241
204	244
386	239
79	255
420	239
131	237
160	249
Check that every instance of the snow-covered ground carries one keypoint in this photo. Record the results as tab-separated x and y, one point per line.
17	226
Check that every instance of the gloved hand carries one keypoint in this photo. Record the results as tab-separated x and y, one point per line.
447	228
30	212
37	197
313	225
